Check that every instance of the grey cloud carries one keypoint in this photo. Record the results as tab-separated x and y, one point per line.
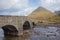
10	10
5	4
51	5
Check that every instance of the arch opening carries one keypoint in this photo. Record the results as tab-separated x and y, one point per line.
26	25
9	30
33	23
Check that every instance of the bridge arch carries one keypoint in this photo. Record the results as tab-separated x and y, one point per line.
26	25
9	30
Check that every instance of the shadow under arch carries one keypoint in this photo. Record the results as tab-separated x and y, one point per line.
9	30
26	25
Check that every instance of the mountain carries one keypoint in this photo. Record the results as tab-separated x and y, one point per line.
41	12
57	12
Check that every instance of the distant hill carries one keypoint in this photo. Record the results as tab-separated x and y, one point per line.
41	12
57	12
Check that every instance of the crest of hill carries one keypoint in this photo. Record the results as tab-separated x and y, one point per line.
41	12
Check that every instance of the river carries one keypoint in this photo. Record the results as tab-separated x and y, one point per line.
39	33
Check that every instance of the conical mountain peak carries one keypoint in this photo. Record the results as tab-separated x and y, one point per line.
41	12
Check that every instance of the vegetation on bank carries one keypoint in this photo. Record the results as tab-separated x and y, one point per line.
53	20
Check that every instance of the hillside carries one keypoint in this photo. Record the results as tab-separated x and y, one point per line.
42	15
41	12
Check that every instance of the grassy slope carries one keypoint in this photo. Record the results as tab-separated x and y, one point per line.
42	14
56	19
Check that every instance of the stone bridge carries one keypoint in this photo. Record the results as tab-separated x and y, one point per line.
15	25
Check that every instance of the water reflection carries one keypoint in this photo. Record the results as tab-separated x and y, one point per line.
25	36
10	38
34	34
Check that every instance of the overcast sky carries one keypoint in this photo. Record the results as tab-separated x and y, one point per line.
25	7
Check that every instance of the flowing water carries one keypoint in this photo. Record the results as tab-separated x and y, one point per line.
34	34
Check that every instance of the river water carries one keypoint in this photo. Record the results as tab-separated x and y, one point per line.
39	33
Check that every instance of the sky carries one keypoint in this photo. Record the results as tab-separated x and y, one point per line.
25	7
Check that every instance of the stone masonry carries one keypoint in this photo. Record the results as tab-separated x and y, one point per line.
16	21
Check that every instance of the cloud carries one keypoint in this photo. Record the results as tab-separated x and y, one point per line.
9	10
21	4
13	7
51	4
28	10
24	7
5	4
